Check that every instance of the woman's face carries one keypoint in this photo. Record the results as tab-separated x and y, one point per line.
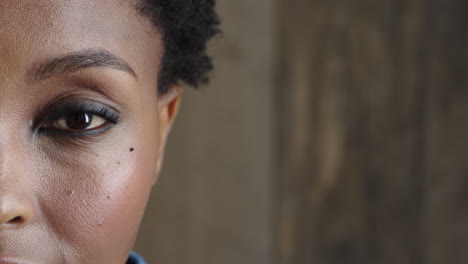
81	128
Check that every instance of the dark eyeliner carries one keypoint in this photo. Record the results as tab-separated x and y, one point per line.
61	109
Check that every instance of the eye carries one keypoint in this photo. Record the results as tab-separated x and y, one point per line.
79	121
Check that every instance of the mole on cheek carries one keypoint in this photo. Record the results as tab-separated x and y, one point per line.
132	149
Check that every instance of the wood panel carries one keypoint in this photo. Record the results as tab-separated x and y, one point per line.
374	112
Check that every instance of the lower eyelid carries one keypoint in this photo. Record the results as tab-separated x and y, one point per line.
79	134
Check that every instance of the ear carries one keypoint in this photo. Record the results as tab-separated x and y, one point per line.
168	107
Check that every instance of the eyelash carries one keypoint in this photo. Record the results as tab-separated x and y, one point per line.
63	109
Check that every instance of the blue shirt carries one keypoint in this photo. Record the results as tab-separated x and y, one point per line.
134	258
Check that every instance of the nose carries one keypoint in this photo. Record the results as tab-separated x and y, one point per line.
17	201
16	211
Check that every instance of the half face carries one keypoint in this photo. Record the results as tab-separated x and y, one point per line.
81	128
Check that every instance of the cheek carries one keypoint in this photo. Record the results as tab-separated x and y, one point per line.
94	200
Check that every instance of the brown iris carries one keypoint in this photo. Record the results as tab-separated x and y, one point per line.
78	120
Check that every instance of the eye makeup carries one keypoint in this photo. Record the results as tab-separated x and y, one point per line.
78	112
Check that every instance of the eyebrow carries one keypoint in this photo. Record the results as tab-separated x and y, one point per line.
75	61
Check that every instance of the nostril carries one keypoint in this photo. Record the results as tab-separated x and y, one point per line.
16	211
17	220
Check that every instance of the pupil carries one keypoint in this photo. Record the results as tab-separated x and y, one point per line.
79	120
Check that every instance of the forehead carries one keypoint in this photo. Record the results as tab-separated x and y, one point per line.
73	14
37	29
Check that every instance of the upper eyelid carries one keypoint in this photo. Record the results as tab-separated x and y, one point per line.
78	107
73	104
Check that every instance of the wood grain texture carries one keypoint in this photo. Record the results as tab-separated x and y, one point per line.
374	112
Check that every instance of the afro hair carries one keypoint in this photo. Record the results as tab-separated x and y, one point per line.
186	27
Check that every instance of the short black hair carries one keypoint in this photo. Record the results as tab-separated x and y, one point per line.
186	27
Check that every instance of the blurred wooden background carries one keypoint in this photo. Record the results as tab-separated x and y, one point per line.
334	131
374	131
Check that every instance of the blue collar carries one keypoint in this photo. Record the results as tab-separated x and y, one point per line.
134	258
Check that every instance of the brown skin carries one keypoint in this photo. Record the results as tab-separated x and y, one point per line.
77	197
